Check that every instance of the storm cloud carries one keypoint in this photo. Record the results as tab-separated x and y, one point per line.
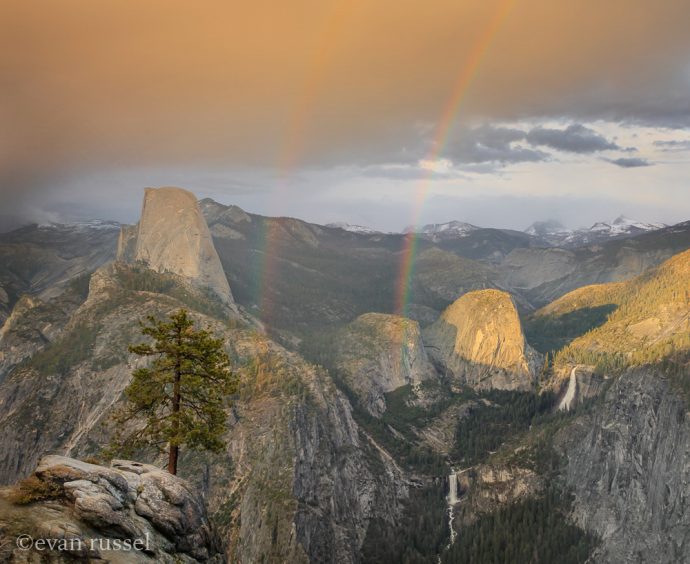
673	145
491	144
576	138
630	162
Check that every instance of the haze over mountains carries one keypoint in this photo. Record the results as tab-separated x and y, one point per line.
539	384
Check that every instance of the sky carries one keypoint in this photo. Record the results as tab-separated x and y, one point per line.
379	113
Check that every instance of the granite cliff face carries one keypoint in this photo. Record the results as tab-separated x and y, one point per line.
378	353
479	340
156	515
629	466
172	236
300	481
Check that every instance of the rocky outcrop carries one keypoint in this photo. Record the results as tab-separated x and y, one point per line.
172	236
479	341
628	464
127	243
154	514
486	488
378	353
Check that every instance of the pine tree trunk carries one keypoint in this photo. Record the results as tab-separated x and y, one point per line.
172	459
174	447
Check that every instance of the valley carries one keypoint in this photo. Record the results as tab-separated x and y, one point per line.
526	402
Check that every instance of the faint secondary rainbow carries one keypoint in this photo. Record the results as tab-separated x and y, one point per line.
440	138
293	146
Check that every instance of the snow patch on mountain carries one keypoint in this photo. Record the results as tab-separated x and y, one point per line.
440	231
352	228
554	233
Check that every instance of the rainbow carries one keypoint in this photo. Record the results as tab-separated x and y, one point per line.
265	263
293	145
440	138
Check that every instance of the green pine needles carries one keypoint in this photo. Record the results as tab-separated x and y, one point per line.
181	395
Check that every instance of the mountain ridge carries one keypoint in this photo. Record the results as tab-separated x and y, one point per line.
309	474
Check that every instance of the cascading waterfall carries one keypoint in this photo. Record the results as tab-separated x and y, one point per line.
452	500
569	397
453	489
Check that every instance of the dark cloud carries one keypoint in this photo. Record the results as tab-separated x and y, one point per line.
630	162
480	153
501	145
489	144
673	145
498	137
576	138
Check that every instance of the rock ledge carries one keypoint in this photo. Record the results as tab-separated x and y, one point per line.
129	501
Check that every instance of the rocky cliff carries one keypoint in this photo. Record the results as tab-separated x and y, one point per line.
479	340
33	323
172	236
130	512
629	466
299	480
378	353
42	260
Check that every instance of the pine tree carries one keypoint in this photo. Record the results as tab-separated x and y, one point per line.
181	395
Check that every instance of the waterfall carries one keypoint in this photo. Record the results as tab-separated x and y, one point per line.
569	397
453	489
452	500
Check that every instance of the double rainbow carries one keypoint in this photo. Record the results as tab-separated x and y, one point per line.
294	143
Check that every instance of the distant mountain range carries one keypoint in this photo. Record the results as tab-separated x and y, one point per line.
555	234
549	233
546	233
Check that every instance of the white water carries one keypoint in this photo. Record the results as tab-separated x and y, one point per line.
452	500
453	489
569	397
